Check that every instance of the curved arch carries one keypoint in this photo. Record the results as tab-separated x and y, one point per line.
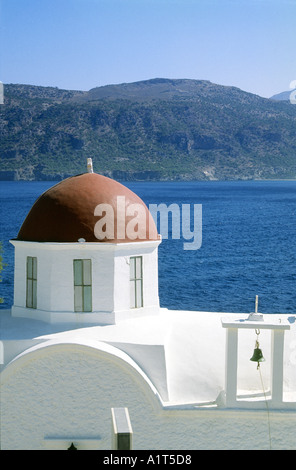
97	349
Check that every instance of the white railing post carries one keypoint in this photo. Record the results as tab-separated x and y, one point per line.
231	366
256	322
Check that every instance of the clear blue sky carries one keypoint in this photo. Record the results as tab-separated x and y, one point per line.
81	44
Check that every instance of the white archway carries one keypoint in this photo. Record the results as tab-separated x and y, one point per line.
55	393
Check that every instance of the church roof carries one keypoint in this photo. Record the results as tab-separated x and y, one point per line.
66	213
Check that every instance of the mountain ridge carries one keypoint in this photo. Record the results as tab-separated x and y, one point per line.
156	129
283	96
155	88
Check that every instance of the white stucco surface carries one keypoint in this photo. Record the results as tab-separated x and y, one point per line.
59	384
110	265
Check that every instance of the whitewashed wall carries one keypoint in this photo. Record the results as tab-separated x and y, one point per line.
110	280
149	252
63	393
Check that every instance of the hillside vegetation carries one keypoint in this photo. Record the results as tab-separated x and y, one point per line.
150	130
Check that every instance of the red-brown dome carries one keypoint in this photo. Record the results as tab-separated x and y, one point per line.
66	212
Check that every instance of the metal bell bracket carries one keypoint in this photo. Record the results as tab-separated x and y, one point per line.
257	331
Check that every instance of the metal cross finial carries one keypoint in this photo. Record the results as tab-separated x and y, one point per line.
90	165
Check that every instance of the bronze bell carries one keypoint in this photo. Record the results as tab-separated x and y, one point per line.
257	355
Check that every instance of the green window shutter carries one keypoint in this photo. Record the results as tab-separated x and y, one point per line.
136	282
82	285
31	292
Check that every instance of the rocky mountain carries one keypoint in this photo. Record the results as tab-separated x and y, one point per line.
284	96
157	129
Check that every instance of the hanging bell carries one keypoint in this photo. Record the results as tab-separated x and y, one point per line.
257	355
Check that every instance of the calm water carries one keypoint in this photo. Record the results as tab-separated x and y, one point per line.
248	244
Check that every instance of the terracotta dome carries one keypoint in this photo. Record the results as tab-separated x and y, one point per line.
66	212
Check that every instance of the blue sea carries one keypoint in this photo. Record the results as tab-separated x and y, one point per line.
248	243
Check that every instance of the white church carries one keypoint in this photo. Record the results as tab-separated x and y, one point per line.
86	336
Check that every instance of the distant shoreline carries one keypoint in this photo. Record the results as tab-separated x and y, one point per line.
152	130
161	180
